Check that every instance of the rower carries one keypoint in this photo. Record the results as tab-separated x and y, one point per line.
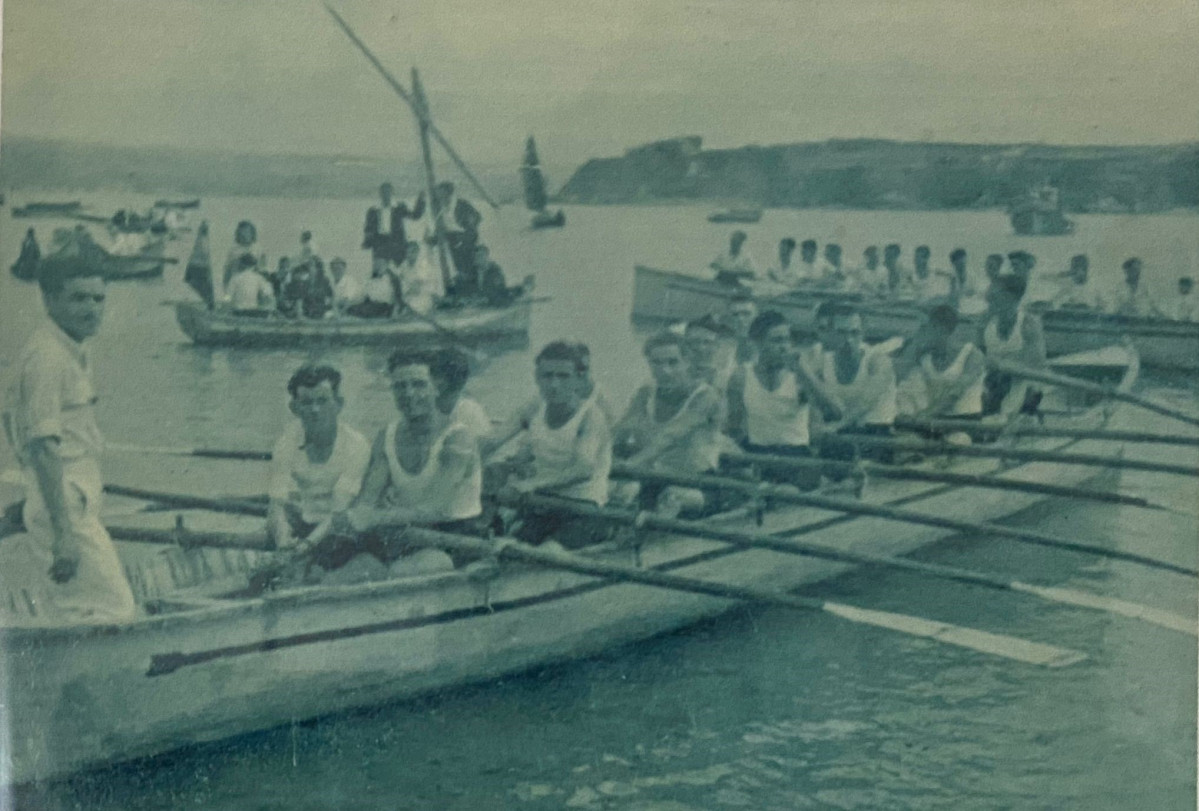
736	264
897	274
709	351
1022	264
830	270
318	463
740	311
767	407
1077	292
927	284
871	277
785	272
808	269
65	565
959	282
565	448
1185	308
424	469
855	387
249	293
671	424
947	380
450	369
1134	300
1009	332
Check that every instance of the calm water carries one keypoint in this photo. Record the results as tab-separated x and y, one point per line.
761	709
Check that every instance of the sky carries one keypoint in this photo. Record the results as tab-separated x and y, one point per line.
595	78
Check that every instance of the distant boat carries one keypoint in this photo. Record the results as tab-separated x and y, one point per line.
745	215
1039	213
47	209
192	203
533	181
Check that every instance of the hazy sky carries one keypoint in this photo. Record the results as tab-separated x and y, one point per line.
592	78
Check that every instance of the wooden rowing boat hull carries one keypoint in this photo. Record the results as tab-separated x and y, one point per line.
508	325
668	296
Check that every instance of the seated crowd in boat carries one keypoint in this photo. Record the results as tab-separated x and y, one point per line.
402	279
716	397
885	275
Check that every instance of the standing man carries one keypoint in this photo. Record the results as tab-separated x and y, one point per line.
460	220
383	232
66	563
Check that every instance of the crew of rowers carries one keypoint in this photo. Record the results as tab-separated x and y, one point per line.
885	275
405	274
741	382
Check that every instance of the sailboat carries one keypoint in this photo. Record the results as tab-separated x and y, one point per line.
533	180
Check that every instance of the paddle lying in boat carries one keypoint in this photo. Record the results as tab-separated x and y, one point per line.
192	539
249	506
975	427
790	495
505	548
1019	454
961	479
761	540
1065	381
201	453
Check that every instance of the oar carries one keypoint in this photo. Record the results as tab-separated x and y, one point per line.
976	427
249	506
175	537
1065	381
986	482
201	453
165	260
1020	454
759	540
791	496
996	644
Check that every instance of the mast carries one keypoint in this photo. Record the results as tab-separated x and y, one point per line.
421	108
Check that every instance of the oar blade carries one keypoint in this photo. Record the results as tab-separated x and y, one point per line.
1112	605
1008	647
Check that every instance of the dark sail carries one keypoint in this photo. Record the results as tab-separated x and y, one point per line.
532	180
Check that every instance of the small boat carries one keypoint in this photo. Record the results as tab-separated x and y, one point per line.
78	246
533	182
663	296
207	663
475	326
735	215
43	209
192	203
1039	213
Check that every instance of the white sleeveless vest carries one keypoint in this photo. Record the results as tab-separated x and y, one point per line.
775	417
428	489
881	413
554	449
970	401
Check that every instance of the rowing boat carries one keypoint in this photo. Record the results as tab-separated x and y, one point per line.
669	296
202	666
507	325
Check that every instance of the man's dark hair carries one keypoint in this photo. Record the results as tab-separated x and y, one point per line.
449	368
922	249
1131	262
787	241
944	317
54	273
311	376
957	253
1185	281
407	357
764	323
1021	257
893	247
808	244
994	258
564	350
663	338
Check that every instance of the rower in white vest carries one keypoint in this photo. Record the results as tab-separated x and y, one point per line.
1009	332
948	378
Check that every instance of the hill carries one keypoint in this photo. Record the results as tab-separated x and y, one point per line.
873	174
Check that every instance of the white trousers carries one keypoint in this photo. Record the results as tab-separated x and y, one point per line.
99	592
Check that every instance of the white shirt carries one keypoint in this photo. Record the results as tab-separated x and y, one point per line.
1184	308
318	490
555	449
51	395
1078	295
348	291
742	264
248	290
880	412
936	381
467	412
775	417
429	489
